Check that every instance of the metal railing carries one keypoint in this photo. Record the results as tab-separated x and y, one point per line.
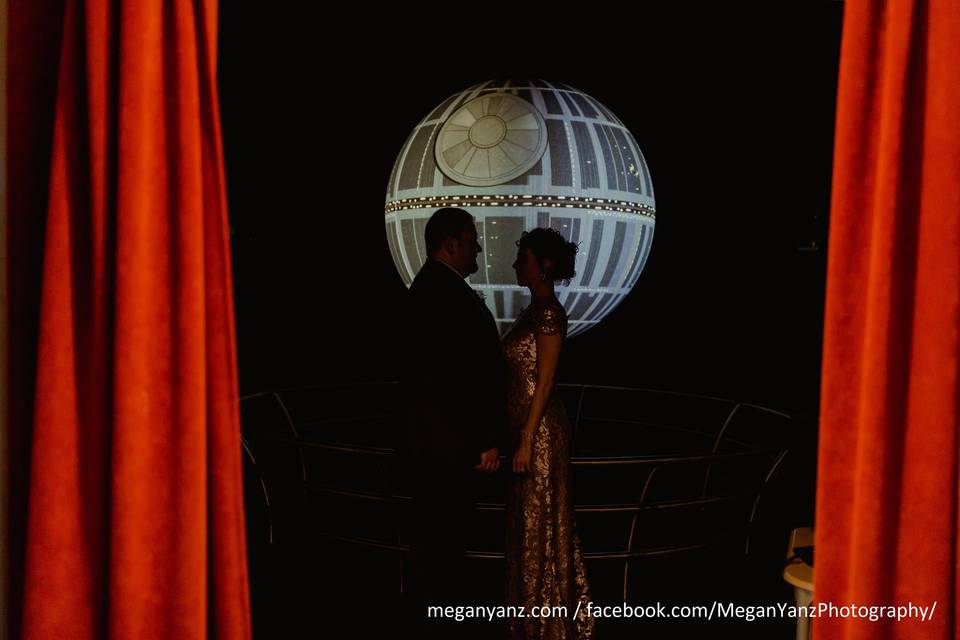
719	447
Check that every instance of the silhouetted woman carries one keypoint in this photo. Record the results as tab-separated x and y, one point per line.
544	562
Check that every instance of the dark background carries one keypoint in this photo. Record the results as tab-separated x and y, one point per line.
733	110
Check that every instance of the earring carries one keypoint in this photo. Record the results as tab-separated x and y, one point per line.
543	277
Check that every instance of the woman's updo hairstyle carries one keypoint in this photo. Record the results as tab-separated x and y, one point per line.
547	244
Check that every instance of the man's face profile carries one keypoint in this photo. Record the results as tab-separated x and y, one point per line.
470	247
460	250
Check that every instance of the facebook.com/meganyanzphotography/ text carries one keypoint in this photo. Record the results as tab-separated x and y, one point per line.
715	611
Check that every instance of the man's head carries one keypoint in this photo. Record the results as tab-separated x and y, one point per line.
451	237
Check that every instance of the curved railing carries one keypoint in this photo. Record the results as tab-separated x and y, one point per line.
656	472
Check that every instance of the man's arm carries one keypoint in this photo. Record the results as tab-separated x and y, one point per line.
491	428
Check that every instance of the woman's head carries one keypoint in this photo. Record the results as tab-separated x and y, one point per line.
543	255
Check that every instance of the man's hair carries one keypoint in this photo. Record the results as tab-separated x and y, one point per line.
448	222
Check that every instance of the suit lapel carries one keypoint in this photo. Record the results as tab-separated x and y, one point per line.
484	315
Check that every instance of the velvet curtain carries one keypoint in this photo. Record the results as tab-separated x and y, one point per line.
887	492
125	430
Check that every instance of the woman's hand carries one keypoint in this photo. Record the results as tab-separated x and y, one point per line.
521	459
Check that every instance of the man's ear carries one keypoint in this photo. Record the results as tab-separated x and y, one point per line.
450	245
547	265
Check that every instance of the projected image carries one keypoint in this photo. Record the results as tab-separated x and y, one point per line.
520	155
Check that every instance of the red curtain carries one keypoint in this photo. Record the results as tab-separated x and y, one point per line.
132	486
887	492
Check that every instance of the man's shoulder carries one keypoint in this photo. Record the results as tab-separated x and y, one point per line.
427	272
425	280
433	277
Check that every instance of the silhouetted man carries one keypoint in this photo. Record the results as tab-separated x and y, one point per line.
457	410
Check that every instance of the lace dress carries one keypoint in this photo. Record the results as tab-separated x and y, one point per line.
544	561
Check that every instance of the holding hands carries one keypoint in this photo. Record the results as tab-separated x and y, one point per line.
490	459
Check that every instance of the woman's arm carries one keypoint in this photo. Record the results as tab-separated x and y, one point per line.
548	356
549	342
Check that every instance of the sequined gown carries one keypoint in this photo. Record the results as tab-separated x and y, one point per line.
544	561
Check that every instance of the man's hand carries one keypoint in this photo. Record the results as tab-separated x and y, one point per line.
489	461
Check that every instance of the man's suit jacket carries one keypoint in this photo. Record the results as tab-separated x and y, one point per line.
455	371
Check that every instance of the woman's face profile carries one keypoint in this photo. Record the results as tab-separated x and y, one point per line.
526	267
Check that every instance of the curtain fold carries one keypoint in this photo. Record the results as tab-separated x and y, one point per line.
887	489
134	503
